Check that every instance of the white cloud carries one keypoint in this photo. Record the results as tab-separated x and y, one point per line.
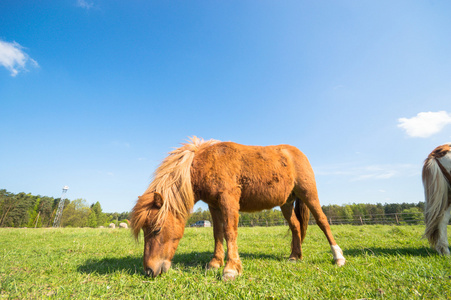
13	58
381	174
372	172
85	4
425	124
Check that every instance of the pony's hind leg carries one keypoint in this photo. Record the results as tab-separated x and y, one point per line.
303	214
305	190
297	227
442	243
218	231
309	196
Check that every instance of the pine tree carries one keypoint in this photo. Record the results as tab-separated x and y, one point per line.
34	213
92	219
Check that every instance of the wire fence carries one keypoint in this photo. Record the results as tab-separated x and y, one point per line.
393	219
389	219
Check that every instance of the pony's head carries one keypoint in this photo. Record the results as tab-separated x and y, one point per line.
164	208
162	232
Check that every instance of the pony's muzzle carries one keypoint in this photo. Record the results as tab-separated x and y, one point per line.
163	267
149	272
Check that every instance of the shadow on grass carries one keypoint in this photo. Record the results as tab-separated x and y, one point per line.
134	265
379	251
129	264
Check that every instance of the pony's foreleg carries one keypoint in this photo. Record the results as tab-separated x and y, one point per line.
229	204
309	196
218	231
295	227
442	243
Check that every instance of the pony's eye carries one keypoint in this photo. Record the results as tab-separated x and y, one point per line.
156	231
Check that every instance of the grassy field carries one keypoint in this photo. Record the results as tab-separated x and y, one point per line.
383	262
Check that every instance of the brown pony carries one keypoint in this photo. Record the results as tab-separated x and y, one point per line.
229	177
437	191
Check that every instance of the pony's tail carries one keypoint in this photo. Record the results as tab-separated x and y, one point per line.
436	196
302	214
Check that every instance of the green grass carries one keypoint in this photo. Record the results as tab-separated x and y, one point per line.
383	262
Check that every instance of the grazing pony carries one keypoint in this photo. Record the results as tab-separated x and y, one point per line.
437	190
229	177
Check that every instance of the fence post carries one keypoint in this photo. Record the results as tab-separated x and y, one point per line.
361	221
330	220
397	221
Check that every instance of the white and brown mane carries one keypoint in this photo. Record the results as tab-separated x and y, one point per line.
437	190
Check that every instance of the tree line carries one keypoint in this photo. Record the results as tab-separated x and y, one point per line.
26	210
357	214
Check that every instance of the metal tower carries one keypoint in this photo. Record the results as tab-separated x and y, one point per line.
59	211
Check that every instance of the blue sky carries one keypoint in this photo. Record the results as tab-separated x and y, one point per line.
95	93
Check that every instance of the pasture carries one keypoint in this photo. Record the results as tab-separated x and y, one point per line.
383	262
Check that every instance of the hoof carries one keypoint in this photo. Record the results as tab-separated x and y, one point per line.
292	260
340	262
443	250
229	275
338	255
213	265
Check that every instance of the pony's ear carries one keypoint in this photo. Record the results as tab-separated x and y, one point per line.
157	200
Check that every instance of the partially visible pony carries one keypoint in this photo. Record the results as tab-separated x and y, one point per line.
229	177
437	190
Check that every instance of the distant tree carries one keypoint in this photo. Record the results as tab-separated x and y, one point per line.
392	208
332	211
199	215
112	217
34	219
346	213
100	217
412	215
245	219
116	217
17	210
7	203
46	211
92	219
19	216
76	214
124	215
420	206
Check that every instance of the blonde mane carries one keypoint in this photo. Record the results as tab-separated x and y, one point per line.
172	180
